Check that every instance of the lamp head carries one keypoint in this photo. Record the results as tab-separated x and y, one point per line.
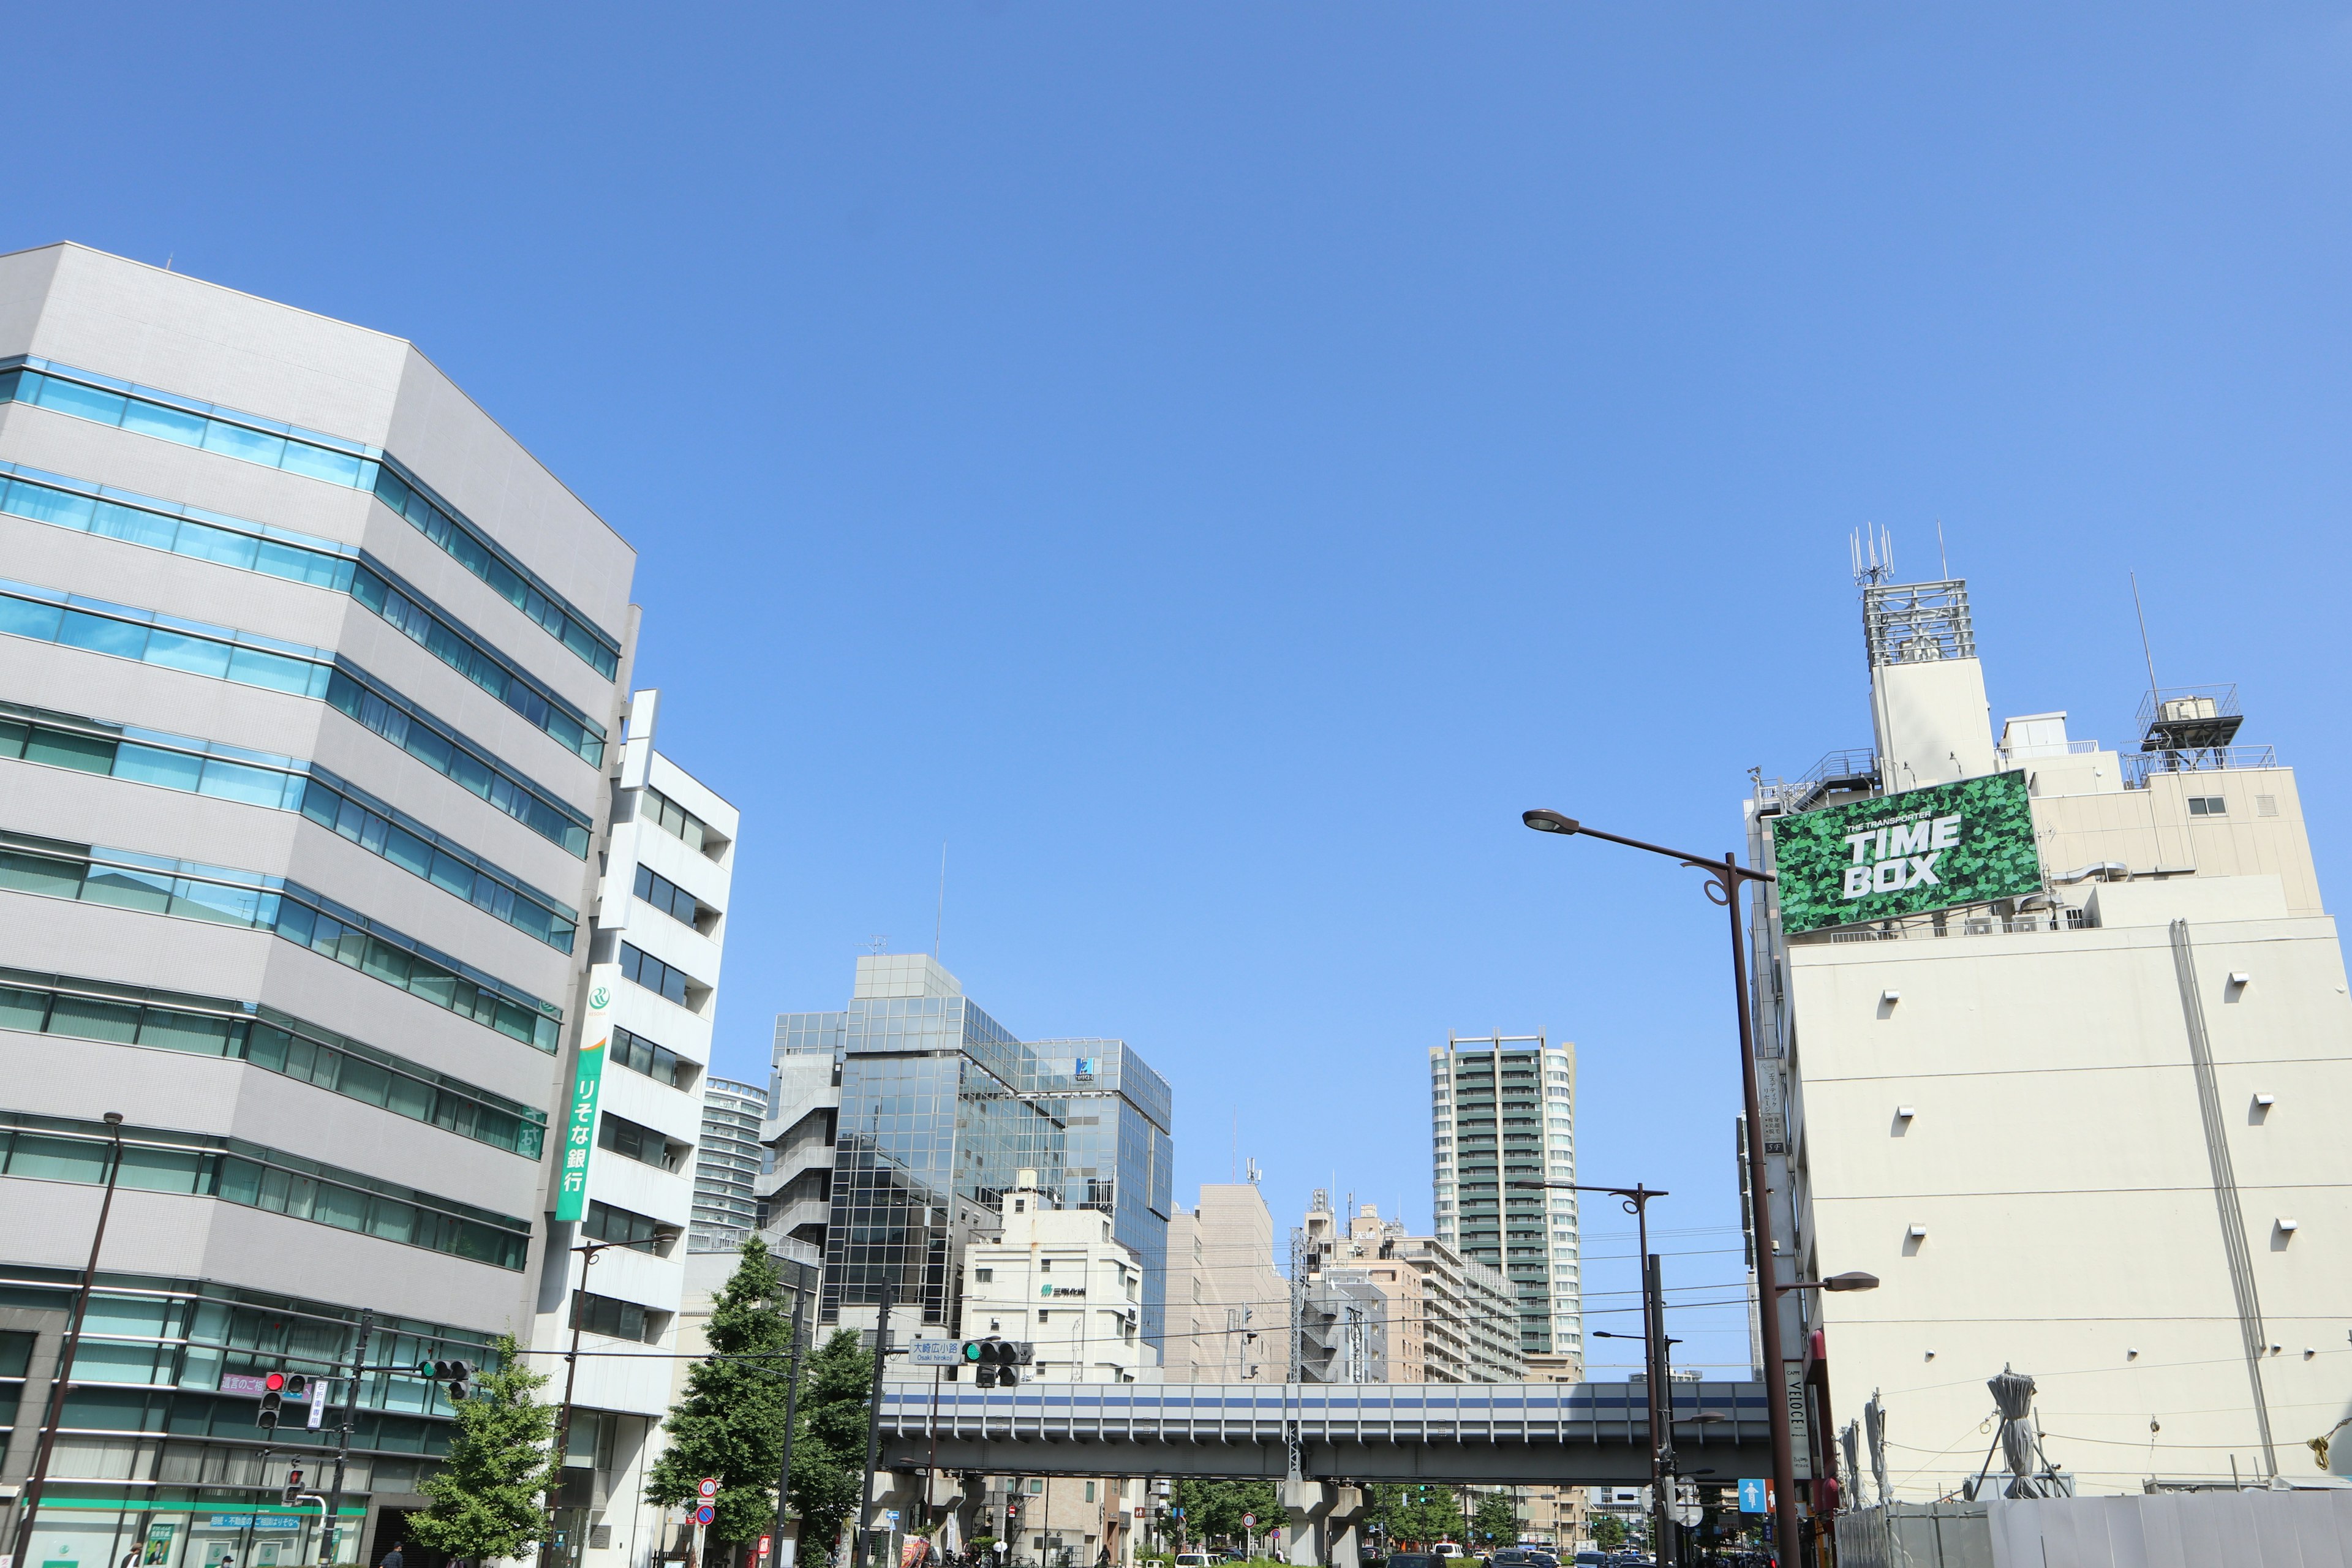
1549	822
1856	1280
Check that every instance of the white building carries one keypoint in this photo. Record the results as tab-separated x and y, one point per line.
1056	1279
2091	1129
333	830
1228	1304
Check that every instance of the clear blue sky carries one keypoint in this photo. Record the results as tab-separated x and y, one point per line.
1214	466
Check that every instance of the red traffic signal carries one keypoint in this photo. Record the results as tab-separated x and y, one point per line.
275	1382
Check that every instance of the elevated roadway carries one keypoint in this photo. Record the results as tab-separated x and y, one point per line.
1583	1434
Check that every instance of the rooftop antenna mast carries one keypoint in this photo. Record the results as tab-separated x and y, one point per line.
2145	652
1940	555
1873	556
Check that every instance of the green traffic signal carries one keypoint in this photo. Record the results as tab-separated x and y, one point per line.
973	1350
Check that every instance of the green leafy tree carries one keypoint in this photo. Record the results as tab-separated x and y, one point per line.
1214	1509
1497	1521
829	1451
488	1496
1608	1533
729	1423
1416	1513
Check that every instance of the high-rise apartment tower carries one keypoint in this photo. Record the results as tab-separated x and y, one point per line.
727	1165
1503	1109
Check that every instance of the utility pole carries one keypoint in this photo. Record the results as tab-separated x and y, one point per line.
344	1433
874	1422
792	1417
588	1251
23	1544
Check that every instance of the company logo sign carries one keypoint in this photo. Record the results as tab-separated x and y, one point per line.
1934	848
587	1085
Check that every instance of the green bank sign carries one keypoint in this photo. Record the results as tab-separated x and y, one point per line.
1965	843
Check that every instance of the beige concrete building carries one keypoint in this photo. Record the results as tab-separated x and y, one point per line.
1055	1279
1451	1318
1228	1305
2092	1133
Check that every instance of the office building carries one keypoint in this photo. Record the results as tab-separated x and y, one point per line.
1503	1109
727	1166
2053	1037
933	1108
325	800
1228	1304
1056	1278
1451	1318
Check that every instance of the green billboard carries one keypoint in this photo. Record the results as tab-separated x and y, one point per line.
1932	848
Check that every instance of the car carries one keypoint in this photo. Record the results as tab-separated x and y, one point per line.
1413	1560
1593	1560
1194	1560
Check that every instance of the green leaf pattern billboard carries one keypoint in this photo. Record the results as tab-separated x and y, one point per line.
1933	848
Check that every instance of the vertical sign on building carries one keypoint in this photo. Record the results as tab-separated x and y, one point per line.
587	1080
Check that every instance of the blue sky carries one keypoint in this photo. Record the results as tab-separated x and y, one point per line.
1214	466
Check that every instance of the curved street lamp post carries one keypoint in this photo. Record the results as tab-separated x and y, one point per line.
1724	879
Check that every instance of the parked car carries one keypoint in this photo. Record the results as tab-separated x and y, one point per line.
1194	1560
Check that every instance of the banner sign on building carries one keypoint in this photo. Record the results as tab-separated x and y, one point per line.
1933	848
587	1081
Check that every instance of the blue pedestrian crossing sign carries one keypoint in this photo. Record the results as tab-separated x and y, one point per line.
1753	1496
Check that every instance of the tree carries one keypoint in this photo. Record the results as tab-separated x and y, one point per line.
488	1496
829	1451
1214	1508
1608	1533
1416	1513
1496	1521
729	1423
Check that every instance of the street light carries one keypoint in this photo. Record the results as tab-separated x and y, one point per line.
1854	1280
1636	1200
588	1251
23	1544
1725	877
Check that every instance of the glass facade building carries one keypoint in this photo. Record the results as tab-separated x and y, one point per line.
1503	1109
941	1107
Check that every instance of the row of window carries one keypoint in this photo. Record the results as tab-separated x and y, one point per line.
616	1319
83	395
666	896
53	1149
633	1141
247	658
659	1063
154	885
250	1032
662	979
637	1232
159	525
679	823
200	767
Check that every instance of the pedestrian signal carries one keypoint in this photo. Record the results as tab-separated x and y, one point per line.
293	1486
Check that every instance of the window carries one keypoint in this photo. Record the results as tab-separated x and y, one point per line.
2208	806
616	1319
984	1276
670	899
255	439
1090	1491
661	1064
1043	1315
681	824
636	1232
233	1171
1035	1486
275	1041
249	659
1044	1266
128	879
635	1141
662	979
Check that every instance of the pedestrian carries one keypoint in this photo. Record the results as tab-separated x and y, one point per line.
393	1559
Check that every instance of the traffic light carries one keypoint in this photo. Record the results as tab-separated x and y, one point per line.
453	1373
294	1486
273	1400
994	1360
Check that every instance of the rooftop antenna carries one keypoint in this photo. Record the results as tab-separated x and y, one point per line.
878	942
1873	556
1940	556
2145	652
941	918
